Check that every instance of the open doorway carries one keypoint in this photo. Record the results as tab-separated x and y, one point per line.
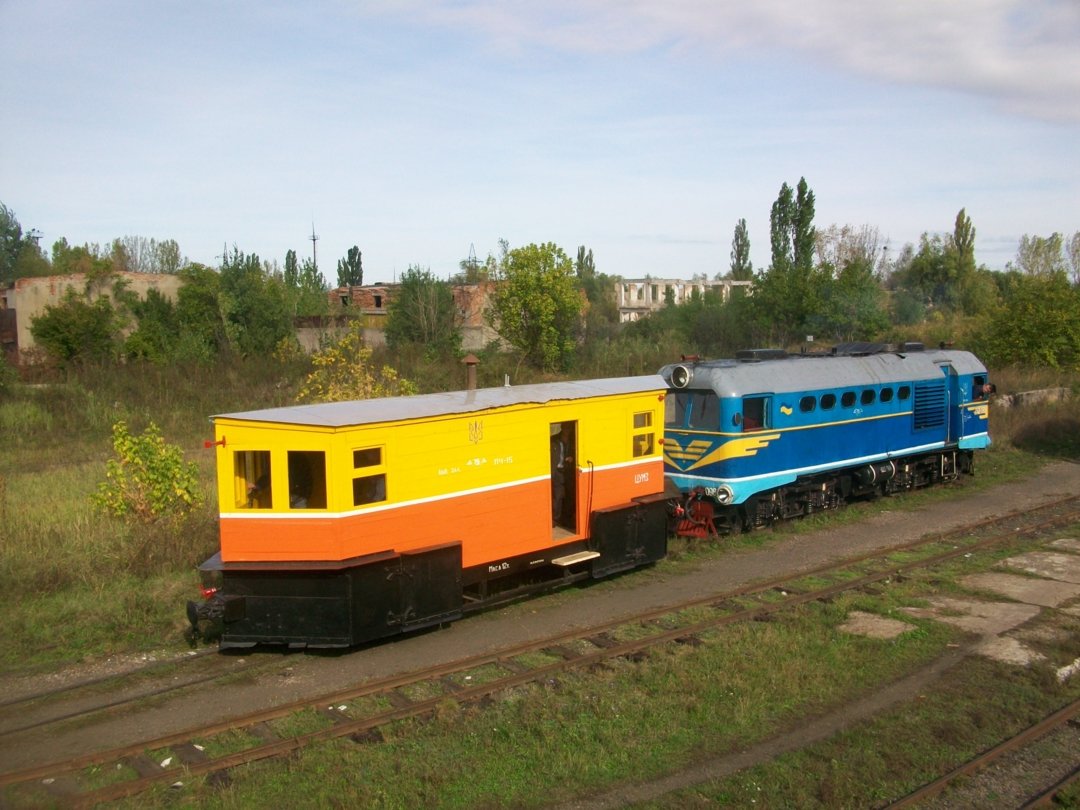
564	476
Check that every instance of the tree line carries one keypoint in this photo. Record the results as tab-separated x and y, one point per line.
838	284
822	285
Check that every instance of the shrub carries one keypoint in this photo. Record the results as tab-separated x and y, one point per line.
149	479
344	371
77	329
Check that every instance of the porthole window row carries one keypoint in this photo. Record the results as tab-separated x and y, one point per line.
864	397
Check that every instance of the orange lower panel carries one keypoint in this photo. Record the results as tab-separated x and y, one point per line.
491	526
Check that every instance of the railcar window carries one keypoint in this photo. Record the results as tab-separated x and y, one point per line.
368	457
903	392
868	396
807	404
755	413
251	479
828	401
307	479
371	486
644	439
847	399
704	410
886	395
369	489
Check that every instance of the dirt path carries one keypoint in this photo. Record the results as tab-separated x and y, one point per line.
296	676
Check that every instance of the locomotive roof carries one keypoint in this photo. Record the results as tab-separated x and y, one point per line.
813	372
395	409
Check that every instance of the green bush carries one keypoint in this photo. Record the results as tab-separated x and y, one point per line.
77	330
148	479
8	375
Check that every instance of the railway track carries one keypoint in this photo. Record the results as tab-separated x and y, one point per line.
1043	798
84	698
89	683
359	712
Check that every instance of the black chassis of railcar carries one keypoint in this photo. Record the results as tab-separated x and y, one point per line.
346	603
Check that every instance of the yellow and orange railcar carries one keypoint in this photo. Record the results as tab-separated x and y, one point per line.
345	522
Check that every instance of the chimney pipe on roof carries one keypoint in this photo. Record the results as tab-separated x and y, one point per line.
471	362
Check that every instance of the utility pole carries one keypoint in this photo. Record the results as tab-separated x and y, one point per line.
314	239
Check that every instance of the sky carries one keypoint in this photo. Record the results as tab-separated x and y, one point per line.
641	129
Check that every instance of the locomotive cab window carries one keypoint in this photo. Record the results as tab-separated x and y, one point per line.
644	438
307	479
369	485
704	410
755	413
251	479
675	406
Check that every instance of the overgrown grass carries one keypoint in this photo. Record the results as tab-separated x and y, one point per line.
626	723
54	538
973	708
1050	429
127	613
58	551
622	723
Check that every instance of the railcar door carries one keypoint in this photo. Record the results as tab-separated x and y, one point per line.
953	403
564	477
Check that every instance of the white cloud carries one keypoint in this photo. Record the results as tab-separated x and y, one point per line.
1021	54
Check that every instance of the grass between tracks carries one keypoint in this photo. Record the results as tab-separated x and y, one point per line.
627	723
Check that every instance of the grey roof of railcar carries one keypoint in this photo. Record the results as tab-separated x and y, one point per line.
733	378
423	406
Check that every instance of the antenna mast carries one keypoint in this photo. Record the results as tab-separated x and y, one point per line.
314	239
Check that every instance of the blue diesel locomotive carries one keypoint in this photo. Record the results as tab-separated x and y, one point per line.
770	436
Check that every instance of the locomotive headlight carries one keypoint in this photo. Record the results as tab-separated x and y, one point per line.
680	376
724	495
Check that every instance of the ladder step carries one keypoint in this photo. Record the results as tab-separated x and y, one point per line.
573	559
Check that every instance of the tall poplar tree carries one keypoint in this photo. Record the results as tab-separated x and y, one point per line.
803	233
786	298
742	269
350	270
292	270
